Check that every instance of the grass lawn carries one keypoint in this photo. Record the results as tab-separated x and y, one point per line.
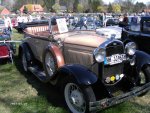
23	93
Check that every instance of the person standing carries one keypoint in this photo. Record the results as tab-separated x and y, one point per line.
125	20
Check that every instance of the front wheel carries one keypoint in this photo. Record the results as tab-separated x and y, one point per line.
144	77
77	98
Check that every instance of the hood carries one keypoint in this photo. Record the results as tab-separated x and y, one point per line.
86	38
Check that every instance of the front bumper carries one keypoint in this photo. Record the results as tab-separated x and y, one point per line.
108	102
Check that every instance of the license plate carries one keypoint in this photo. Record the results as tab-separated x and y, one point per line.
116	59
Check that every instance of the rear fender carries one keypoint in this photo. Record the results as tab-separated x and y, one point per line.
142	59
24	47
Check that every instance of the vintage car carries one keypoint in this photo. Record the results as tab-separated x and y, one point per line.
92	72
22	25
110	31
7	46
139	33
112	21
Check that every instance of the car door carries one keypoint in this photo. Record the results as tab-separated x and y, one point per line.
33	43
144	42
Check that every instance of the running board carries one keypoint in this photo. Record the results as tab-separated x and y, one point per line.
38	73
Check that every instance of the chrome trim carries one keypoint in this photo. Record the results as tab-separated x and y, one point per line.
109	41
105	44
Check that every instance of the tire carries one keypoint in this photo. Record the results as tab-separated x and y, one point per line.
144	77
24	62
77	97
26	59
49	64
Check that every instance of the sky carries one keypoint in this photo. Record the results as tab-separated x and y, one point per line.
144	1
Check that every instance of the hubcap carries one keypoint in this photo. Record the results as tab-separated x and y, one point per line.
142	78
74	98
50	65
77	98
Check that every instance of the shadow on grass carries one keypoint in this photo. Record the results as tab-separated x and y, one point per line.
50	92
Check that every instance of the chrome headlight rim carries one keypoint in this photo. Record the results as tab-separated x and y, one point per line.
130	48
99	54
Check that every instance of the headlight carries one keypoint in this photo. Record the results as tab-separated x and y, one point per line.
130	48
99	54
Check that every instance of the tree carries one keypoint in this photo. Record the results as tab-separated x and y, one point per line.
139	6
95	4
80	8
109	9
116	8
18	4
75	5
48	4
101	9
56	7
69	4
127	6
25	10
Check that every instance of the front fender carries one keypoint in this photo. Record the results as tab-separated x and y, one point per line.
57	54
82	75
142	59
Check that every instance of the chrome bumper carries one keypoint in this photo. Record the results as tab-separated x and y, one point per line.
108	102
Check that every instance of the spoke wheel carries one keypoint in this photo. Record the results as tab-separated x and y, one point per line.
77	98
49	64
144	77
24	62
74	98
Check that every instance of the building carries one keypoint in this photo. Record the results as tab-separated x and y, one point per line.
32	8
4	11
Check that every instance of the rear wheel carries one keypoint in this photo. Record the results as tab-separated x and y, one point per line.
77	97
24	62
26	59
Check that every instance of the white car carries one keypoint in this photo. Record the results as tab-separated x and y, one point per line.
108	32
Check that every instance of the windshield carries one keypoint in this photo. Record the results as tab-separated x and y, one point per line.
76	22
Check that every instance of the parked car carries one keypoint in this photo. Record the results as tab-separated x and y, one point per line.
21	25
90	70
7	48
110	31
140	34
112	21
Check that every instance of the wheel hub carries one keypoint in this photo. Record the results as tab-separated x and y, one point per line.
77	98
142	77
49	64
